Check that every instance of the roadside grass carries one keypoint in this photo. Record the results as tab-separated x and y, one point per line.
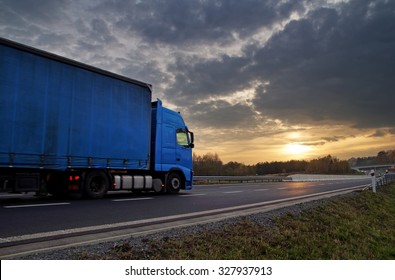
357	226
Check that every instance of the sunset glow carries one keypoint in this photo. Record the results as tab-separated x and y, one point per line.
296	149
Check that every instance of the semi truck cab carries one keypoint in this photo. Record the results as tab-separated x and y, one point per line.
171	148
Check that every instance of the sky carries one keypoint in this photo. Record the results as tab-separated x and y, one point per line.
255	80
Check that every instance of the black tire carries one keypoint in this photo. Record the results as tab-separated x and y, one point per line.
96	184
174	183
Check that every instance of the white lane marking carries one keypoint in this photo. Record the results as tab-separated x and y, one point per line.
37	205
283	188
228	186
12	195
261	190
195	194
233	192
131	199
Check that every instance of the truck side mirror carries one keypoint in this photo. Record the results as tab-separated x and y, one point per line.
192	139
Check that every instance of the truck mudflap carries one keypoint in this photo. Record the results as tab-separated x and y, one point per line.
189	182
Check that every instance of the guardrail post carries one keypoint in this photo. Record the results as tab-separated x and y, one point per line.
372	173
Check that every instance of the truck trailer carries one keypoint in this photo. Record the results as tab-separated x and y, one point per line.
67	127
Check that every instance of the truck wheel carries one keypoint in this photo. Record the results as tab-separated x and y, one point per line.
174	183
96	184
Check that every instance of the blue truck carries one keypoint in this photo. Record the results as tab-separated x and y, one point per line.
67	127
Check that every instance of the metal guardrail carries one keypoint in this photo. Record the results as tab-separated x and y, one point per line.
326	177
238	179
385	179
380	181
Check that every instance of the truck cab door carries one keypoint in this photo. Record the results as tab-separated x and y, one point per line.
176	147
169	145
183	148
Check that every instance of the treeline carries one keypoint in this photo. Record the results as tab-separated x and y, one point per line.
383	157
211	165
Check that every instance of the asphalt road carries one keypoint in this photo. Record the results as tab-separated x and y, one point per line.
25	214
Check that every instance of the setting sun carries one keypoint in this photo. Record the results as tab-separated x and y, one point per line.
296	149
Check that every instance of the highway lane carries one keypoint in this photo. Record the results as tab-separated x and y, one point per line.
25	215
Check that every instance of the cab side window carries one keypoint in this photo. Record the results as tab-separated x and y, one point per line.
182	138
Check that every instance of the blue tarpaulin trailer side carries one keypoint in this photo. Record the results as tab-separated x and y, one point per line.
57	113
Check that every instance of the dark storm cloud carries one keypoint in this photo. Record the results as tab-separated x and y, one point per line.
37	23
223	114
183	22
39	12
333	66
383	132
97	30
94	37
26	20
379	133
336	65
334	138
199	79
